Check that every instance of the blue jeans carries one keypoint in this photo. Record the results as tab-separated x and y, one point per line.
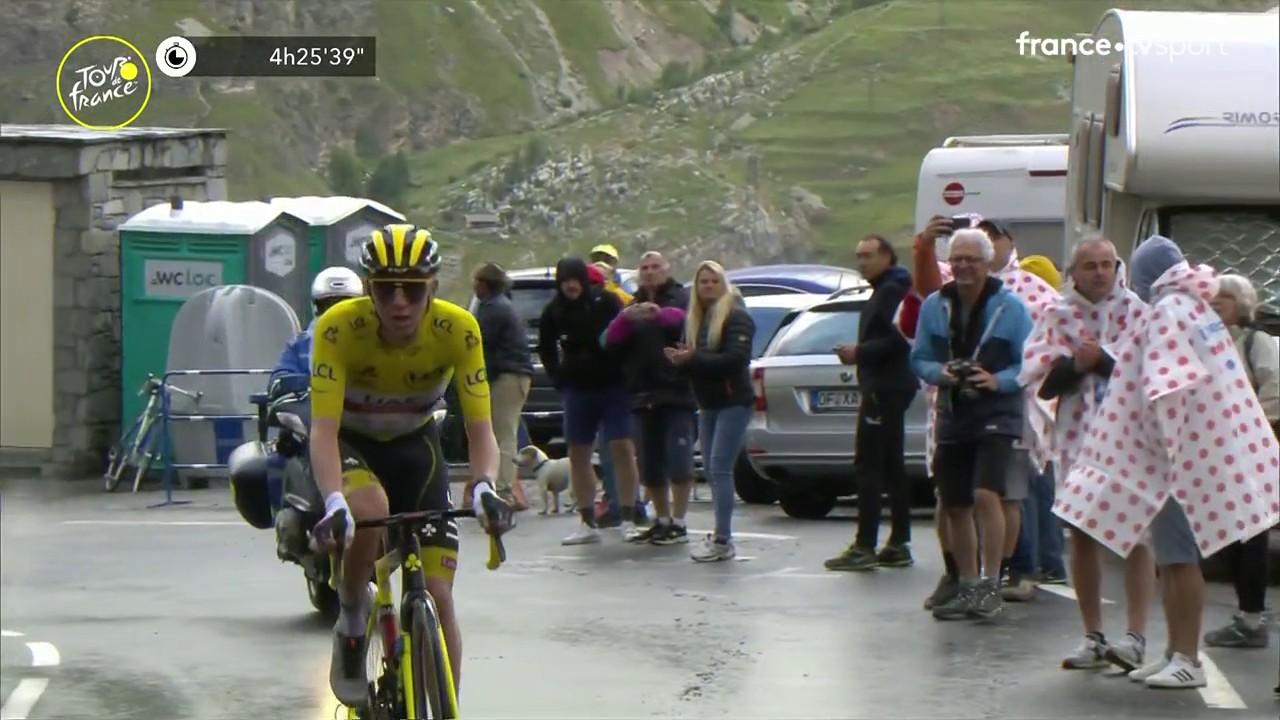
522	435
608	478
1040	540
722	433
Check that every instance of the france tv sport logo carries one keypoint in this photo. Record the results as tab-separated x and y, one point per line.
103	82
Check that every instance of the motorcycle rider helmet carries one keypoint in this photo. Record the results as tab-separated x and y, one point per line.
333	285
250	486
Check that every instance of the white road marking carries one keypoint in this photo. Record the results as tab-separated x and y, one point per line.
23	698
791	572
44	654
751	536
1218	693
10	633
1068	593
571	558
176	523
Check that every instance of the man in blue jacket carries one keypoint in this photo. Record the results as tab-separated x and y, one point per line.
969	343
332	285
292	372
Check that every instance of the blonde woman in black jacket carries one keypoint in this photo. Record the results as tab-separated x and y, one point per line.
716	354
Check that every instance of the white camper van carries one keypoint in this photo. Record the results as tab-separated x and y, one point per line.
1020	179
1179	134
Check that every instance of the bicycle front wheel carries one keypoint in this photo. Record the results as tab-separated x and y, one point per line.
434	694
121	457
145	451
117	464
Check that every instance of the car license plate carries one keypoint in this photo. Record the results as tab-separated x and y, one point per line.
835	400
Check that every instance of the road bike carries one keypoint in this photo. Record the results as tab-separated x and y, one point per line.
408	660
135	448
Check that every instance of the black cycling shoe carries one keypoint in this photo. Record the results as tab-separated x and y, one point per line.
347	670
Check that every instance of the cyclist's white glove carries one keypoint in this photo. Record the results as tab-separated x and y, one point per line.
332	504
502	519
478	492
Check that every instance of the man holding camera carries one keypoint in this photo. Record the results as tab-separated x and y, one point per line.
969	344
1032	451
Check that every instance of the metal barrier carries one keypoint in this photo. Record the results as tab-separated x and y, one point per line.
166	442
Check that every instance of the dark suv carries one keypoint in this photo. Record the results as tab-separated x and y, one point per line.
531	290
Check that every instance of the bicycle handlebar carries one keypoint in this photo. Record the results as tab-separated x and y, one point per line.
153	383
338	530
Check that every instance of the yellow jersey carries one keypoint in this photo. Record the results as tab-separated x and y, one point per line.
383	392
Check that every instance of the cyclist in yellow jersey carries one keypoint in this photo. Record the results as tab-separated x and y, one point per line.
380	365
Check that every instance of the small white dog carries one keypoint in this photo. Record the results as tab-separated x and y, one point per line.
552	476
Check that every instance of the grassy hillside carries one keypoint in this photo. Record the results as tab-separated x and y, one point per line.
844	96
851	112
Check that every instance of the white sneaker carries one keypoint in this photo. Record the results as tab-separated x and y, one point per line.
1127	654
1088	655
1180	673
584	535
711	551
630	533
1151	668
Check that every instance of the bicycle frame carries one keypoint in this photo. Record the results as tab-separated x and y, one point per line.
396	635
396	640
134	449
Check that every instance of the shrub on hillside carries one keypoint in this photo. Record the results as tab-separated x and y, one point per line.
344	172
389	180
674	75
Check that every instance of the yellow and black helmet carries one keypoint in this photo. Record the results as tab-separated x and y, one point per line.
401	249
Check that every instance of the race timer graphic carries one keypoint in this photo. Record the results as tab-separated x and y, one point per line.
265	56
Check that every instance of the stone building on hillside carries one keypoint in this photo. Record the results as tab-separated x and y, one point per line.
63	191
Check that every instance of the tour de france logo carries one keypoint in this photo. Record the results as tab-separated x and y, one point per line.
104	82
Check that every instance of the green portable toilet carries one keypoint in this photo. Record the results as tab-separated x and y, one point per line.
169	252
339	225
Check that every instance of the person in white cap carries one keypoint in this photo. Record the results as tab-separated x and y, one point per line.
331	286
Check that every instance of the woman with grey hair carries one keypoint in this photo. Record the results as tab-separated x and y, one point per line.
1236	303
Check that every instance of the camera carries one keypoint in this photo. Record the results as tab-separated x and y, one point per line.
961	222
963	371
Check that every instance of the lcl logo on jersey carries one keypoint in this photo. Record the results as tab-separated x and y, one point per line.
415	379
331	334
324	370
471	340
476	384
444	325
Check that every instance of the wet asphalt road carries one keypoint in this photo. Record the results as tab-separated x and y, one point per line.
184	612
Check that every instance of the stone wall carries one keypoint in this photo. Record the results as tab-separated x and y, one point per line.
97	187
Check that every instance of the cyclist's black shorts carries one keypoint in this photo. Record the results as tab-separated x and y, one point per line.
413	473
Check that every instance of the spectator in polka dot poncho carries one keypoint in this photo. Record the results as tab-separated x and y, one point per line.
1180	447
1070	356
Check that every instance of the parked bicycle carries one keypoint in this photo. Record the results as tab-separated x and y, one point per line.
408	660
135	448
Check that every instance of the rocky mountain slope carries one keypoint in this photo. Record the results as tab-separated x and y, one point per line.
737	129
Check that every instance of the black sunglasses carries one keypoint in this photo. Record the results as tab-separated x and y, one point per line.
384	291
